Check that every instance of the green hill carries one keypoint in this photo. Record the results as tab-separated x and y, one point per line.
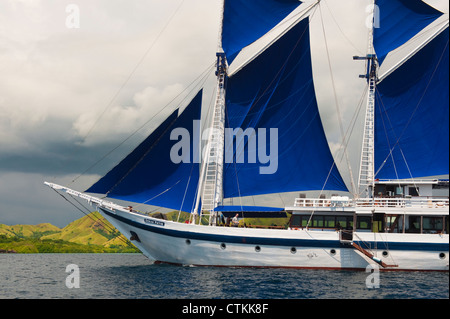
34	231
89	234
92	229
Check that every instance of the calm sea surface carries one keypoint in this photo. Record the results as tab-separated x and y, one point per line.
130	276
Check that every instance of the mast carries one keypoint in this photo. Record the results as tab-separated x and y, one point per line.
366	180
211	178
212	193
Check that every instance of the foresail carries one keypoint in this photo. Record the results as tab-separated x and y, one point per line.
151	175
412	115
107	183
397	21
272	100
245	21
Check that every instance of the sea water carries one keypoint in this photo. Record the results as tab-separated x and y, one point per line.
132	276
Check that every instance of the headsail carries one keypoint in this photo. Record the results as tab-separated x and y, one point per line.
399	21
149	175
412	112
245	21
276	91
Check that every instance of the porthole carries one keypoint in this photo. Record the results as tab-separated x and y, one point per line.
333	252
293	250
385	254
257	249
188	241
442	256
223	246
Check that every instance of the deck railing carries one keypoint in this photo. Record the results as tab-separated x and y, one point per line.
342	201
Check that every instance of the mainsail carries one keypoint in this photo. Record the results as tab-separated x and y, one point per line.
397	21
276	91
245	21
412	111
150	176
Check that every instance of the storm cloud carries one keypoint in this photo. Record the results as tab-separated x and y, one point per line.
71	95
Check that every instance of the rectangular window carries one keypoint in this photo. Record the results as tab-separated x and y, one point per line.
363	222
305	220
341	222
317	221
330	222
394	223
432	224
414	224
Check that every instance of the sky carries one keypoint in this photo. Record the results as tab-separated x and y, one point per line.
78	77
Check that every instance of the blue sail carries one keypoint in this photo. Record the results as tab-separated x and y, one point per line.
399	21
245	21
412	115
275	92
149	175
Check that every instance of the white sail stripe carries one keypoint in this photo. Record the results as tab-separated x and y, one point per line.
438	31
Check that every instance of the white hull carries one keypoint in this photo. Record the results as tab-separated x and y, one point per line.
187	244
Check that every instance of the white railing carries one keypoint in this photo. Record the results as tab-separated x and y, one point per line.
408	181
90	199
343	201
338	201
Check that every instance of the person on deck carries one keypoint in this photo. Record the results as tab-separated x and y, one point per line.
235	221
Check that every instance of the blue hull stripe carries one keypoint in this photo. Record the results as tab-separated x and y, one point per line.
276	241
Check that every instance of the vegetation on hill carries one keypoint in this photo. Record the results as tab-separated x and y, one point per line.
89	234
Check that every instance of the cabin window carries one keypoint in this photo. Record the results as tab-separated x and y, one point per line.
343	222
394	223
330	222
298	221
414	224
317	221
432	224
322	221
305	221
364	222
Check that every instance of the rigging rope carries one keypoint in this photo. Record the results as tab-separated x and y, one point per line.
109	228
